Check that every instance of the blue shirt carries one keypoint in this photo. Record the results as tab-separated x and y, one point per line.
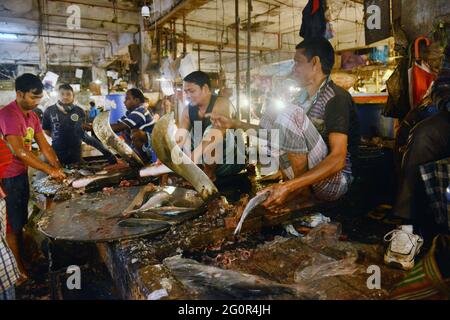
66	128
93	112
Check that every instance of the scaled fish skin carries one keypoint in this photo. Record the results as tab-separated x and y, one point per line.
163	142
155	201
104	132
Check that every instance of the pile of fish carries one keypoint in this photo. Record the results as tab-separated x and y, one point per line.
168	204
63	189
79	181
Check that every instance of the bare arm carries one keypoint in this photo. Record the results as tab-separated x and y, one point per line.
87	126
224	122
30	159
117	127
47	150
332	164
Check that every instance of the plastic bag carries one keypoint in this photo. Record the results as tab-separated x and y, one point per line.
318	271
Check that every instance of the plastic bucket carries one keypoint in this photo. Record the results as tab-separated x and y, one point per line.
115	103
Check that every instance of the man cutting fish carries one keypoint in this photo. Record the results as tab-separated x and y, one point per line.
319	133
197	87
19	127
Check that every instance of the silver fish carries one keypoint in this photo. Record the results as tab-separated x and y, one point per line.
252	204
104	132
83	182
154	170
214	283
169	153
155	201
85	172
170	210
137	222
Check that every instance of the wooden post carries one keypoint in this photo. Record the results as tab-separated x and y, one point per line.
184	34
174	35
198	51
158	46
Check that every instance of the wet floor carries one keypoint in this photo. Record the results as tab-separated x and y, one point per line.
373	187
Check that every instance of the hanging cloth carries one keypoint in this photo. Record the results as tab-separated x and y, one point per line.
316	4
314	23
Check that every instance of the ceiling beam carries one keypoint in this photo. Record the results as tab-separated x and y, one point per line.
226	45
177	12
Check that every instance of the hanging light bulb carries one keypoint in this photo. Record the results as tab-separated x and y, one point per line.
145	11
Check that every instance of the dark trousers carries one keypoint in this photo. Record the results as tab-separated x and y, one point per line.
17	191
429	141
69	156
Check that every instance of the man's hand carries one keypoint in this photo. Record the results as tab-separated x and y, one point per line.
220	121
279	194
87	127
57	174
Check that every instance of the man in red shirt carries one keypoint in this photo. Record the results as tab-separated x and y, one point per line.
19	127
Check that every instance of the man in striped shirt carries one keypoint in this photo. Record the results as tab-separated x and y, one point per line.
318	134
137	125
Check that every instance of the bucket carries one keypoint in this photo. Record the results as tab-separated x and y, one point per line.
115	103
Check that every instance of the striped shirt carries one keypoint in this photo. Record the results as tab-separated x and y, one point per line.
139	118
332	110
303	127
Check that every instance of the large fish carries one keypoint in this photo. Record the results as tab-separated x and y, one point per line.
169	153
252	204
214	283
156	200
166	201
154	170
170	204
137	222
104	132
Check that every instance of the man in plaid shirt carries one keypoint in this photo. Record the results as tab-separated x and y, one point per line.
429	141
318	134
9	273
